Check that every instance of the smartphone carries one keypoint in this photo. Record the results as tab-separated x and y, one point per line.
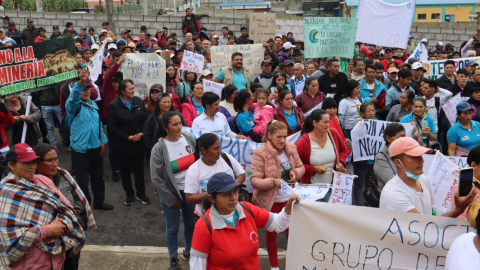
466	181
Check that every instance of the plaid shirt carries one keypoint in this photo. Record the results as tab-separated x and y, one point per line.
24	207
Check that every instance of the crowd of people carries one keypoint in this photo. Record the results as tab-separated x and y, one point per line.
320	98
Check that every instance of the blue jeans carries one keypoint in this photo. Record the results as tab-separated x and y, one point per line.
172	216
48	113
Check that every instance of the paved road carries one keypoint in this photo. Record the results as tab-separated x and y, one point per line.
137	225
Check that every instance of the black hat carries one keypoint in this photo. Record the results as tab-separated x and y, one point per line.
105	23
267	62
475	86
41	29
329	103
117	53
68	24
156	87
55	27
143	27
270	40
11	23
296	52
148	34
173	42
117	77
6	18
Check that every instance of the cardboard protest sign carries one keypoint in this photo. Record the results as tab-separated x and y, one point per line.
192	62
450	108
435	67
261	26
252	57
378	22
323	236
97	61
144	69
367	138
294	26
443	176
342	188
209	86
329	36
37	66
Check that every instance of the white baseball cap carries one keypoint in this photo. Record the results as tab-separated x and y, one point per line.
287	45
95	47
440	43
424	40
112	46
417	65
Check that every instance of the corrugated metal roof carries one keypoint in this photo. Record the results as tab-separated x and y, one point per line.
354	3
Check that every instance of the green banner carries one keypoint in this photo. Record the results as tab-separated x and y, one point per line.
329	36
37	66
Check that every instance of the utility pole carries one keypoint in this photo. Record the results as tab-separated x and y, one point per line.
111	22
145	7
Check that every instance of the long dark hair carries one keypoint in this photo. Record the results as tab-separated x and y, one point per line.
228	91
186	81
309	81
351	84
204	141
156	110
280	74
240	99
316	116
174	76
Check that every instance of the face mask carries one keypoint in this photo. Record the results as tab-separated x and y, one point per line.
409	174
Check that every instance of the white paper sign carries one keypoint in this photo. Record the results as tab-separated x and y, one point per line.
443	176
420	53
97	61
344	237
450	108
311	192
294	26
342	188
384	24
209	86
459	161
192	62
367	138
144	69
252	57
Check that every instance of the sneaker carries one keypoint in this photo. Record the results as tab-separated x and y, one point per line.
129	201
115	176
173	264
143	199
185	255
105	176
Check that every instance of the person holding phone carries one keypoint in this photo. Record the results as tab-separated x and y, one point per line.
274	164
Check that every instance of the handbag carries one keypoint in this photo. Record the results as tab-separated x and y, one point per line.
372	192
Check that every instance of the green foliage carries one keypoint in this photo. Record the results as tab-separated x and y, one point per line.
66	6
99	9
23	5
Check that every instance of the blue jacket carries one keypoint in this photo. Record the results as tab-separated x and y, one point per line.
365	92
86	129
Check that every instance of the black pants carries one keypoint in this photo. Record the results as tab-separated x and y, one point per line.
89	168
362	170
71	263
135	161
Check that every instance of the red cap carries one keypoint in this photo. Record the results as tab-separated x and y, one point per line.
365	49
21	152
407	146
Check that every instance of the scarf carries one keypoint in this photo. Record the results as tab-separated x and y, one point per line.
417	130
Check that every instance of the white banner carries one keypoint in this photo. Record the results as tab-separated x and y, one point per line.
209	86
345	237
443	176
450	108
420	52
252	57
192	62
144	69
459	161
294	26
435	67
342	188
97	61
311	192
384	24
367	138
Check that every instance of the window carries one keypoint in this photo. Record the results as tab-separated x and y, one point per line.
435	16
422	17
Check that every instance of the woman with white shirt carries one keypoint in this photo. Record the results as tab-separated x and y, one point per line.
349	107
226	105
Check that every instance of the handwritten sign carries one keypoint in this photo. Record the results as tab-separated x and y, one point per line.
192	62
311	192
329	36
367	138
294	26
341	188
97	64
450	108
144	69
326	236
435	68
459	161
443	176
378	22
262	26
209	86
252	57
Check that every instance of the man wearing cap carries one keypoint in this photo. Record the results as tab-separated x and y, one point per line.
190	22
121	43
109	33
440	46
265	78
470	66
125	36
88	141
410	46
391	77
417	74
409	190
449	48
87	39
297	56
13	33
56	33
288	68
285	52
364	52
29	33
235	74
388	58
6	21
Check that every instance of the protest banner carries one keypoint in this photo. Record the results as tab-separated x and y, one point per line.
443	175
252	57
294	26
97	61
450	108
311	192
36	66
329	36
378	22
261	26
367	138
341	188
192	62
209	86
328	236
434	68
420	53
144	69
459	161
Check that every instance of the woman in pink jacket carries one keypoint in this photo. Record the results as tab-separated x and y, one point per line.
193	107
274	164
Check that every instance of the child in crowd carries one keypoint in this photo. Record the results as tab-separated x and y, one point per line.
263	111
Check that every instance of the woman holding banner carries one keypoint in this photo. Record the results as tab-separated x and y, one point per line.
18	107
383	166
465	134
274	164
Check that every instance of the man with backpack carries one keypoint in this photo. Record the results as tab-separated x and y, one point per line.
87	140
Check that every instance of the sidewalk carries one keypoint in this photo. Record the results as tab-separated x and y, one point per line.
137	257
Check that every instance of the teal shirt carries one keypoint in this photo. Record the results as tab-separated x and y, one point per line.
198	108
129	105
291	119
238	79
463	137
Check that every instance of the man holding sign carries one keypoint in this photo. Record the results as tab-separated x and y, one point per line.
235	74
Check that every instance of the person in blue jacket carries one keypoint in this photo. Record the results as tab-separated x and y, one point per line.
87	140
374	91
